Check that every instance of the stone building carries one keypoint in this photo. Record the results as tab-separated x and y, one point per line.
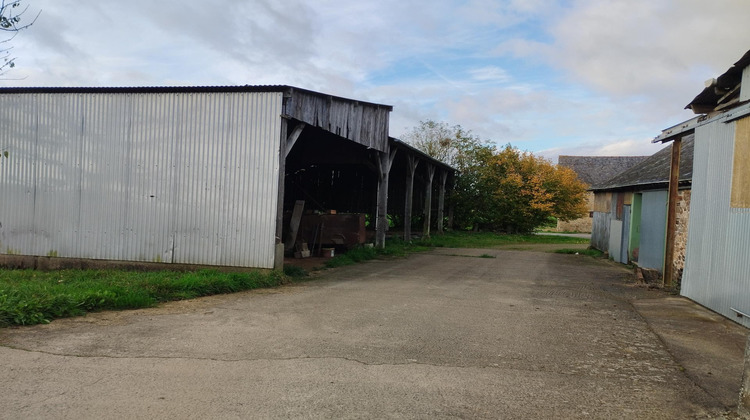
630	213
593	170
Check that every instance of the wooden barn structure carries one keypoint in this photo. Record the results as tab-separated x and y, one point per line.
198	175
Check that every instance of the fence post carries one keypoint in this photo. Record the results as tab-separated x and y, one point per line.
744	405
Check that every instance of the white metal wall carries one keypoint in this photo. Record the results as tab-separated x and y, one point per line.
717	262
170	177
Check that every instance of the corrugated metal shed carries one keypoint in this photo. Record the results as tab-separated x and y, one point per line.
166	176
191	175
362	122
717	263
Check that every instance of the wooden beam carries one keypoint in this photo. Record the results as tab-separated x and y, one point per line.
385	160
674	180
292	139
441	201
428	201
299	207
411	167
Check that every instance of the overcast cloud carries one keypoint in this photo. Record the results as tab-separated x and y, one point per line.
588	77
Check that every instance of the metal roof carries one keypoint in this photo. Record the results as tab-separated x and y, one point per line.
653	172
286	89
688	127
420	154
723	89
594	170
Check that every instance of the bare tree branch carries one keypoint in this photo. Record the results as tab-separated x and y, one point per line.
11	13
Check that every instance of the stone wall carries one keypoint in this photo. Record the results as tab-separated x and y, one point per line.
579	225
681	233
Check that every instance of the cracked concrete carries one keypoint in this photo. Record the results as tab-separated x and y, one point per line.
522	335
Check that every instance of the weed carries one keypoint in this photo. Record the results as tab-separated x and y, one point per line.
34	297
589	252
294	271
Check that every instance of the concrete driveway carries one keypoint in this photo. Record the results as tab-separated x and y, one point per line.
440	335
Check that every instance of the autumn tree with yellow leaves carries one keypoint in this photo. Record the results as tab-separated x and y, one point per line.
522	191
500	189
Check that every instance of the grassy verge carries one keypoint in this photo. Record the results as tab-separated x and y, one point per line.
490	240
34	297
397	247
394	248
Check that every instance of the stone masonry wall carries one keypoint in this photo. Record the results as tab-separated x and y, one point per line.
683	214
583	224
578	225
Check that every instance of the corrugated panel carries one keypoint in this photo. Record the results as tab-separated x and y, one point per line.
172	177
615	239
653	229
716	263
600	231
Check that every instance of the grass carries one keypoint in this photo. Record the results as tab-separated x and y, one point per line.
33	297
394	248
490	240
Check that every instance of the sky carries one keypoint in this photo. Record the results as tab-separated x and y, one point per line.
553	77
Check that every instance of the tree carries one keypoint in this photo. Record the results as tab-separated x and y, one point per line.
524	191
460	149
11	13
501	190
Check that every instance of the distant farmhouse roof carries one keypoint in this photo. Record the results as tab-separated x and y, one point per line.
653	172
594	170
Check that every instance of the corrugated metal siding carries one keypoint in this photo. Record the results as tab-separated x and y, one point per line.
615	239
653	229
172	177
600	231
716	262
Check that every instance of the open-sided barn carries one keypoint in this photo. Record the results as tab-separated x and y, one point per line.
194	175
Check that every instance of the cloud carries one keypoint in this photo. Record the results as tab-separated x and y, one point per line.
490	74
652	56
612	147
542	74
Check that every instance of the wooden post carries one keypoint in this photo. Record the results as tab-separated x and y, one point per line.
428	201
278	263
411	167
674	180
441	201
744	405
385	160
299	207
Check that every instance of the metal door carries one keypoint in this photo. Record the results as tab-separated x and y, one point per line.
625	234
